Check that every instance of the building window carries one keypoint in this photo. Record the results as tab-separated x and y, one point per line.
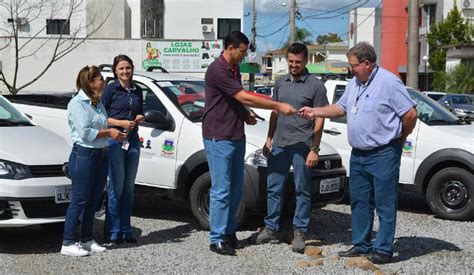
226	26
57	26
152	13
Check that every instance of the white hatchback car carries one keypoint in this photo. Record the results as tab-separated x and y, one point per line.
34	188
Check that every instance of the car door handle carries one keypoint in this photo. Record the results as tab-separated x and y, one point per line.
332	131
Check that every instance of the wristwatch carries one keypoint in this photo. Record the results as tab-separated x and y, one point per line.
315	149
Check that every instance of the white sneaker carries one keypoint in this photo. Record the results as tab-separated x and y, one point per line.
74	250
92	246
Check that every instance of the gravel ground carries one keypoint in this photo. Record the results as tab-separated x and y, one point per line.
170	241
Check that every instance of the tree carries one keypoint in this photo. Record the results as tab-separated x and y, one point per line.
460	79
20	17
301	35
328	38
452	31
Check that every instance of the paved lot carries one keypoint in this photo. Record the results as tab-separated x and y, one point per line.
170	241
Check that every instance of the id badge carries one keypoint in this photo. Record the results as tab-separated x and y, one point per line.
354	109
125	145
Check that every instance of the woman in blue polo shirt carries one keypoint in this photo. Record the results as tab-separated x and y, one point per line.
88	160
123	101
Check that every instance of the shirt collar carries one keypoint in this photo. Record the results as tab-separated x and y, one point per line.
81	95
302	78
224	62
371	77
119	86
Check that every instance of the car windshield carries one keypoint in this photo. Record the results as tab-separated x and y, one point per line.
187	95
9	116
435	97
431	112
461	99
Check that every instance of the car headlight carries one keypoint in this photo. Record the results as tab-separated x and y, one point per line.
14	171
257	158
459	112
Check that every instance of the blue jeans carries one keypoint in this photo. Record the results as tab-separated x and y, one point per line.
88	170
122	173
226	165
373	185
279	162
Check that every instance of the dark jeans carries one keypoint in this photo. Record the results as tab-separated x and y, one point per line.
123	171
88	169
373	185
279	163
226	165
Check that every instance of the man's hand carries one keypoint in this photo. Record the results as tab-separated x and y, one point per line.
312	159
286	109
306	112
267	147
250	119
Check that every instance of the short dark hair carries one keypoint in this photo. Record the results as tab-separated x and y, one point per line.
235	38
363	51
122	57
298	48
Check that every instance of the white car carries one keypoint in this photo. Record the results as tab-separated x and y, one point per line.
33	186
437	158
172	158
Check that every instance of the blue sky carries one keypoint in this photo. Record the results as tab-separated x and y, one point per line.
317	16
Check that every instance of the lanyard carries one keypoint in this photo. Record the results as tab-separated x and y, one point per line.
234	70
365	87
130	101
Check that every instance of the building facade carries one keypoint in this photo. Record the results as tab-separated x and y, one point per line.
395	32
130	27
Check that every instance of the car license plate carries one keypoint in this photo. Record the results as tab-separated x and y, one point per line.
329	185
63	194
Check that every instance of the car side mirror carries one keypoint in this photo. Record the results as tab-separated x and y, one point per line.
447	103
158	120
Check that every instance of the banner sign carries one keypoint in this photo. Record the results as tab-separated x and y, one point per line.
181	56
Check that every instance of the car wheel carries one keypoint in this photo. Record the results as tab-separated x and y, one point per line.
450	194
199	199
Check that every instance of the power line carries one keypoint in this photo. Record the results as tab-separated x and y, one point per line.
270	34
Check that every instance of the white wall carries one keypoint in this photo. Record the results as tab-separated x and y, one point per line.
62	74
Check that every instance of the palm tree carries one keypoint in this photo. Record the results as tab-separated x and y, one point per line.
301	35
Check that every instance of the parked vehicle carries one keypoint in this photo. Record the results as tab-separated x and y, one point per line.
434	95
461	105
172	158
437	158
34	188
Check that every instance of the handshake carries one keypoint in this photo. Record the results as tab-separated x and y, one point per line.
286	109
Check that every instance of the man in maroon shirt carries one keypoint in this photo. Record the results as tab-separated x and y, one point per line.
224	138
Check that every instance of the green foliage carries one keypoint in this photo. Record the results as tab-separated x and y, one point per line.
461	78
328	38
453	30
301	35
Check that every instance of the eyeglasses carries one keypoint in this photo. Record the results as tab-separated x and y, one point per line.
355	66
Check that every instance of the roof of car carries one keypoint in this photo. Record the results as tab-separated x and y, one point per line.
161	76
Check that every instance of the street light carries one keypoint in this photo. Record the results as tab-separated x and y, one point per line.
425	59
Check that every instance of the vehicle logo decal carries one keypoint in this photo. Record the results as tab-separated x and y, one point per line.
167	149
327	164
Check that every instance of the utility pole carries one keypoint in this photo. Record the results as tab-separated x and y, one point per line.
292	21
413	55
254	44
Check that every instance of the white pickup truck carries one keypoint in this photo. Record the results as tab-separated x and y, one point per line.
437	158
172	156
